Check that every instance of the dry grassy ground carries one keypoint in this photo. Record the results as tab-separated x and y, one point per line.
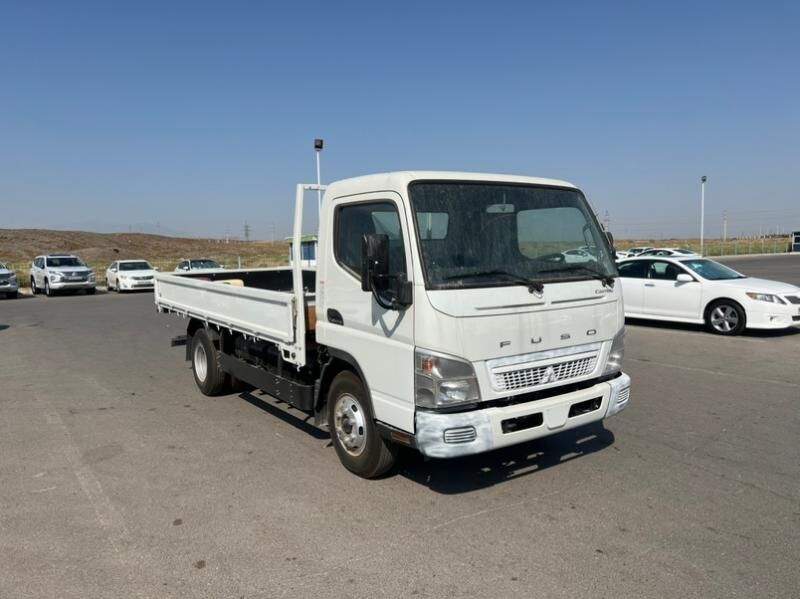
19	246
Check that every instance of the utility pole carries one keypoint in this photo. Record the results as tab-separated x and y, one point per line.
246	231
724	225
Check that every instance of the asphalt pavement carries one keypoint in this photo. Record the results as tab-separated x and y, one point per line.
119	479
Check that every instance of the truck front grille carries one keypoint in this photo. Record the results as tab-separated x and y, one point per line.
543	368
530	377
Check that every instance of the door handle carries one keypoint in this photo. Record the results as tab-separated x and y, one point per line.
334	316
649	284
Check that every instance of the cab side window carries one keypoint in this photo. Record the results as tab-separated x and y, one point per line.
353	221
634	270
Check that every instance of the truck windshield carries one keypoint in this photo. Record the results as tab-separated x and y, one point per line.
490	235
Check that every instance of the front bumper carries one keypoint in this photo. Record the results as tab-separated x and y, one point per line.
773	316
132	284
451	435
69	285
6	287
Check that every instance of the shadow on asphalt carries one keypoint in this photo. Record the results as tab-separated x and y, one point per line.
3	327
300	420
698	328
472	473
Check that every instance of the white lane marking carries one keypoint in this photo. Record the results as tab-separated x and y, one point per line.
716	372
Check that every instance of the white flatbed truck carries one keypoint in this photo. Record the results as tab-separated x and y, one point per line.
442	315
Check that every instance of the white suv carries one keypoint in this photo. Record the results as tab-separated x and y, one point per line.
61	273
8	281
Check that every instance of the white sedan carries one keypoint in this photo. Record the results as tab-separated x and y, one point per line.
130	275
699	290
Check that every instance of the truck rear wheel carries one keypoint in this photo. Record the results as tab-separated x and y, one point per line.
352	425
208	375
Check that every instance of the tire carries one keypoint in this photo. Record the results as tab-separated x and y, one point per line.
12	294
355	437
91	291
726	317
116	286
47	291
34	290
208	374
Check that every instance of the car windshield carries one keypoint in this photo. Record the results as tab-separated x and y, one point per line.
135	266
204	264
713	271
65	261
486	234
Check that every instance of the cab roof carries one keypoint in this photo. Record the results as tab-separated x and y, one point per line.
398	181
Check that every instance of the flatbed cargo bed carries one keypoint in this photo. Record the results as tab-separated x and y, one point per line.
259	303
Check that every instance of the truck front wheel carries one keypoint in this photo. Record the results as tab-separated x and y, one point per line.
208	375
352	425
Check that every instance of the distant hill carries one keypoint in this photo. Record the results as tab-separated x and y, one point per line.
20	246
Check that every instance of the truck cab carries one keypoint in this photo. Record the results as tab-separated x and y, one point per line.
496	323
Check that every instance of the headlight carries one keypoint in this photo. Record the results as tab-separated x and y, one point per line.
614	362
12	278
442	382
92	277
56	276
765	297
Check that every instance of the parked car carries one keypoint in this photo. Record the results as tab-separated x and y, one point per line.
9	285
618	255
636	251
198	264
698	290
578	255
129	275
668	252
61	272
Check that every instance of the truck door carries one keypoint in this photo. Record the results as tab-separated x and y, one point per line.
380	341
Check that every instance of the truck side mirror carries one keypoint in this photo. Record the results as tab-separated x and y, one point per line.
391	291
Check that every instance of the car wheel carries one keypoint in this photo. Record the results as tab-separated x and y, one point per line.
47	291
12	294
726	317
208	375
34	291
355	437
91	291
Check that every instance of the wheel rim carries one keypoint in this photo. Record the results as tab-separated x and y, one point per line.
724	318
47	287
200	362
349	424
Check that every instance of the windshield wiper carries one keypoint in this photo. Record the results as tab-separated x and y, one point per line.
607	280
531	284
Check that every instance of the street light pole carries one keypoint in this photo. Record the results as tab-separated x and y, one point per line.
703	180
318	143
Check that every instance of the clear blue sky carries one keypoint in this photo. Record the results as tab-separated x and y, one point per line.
201	116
